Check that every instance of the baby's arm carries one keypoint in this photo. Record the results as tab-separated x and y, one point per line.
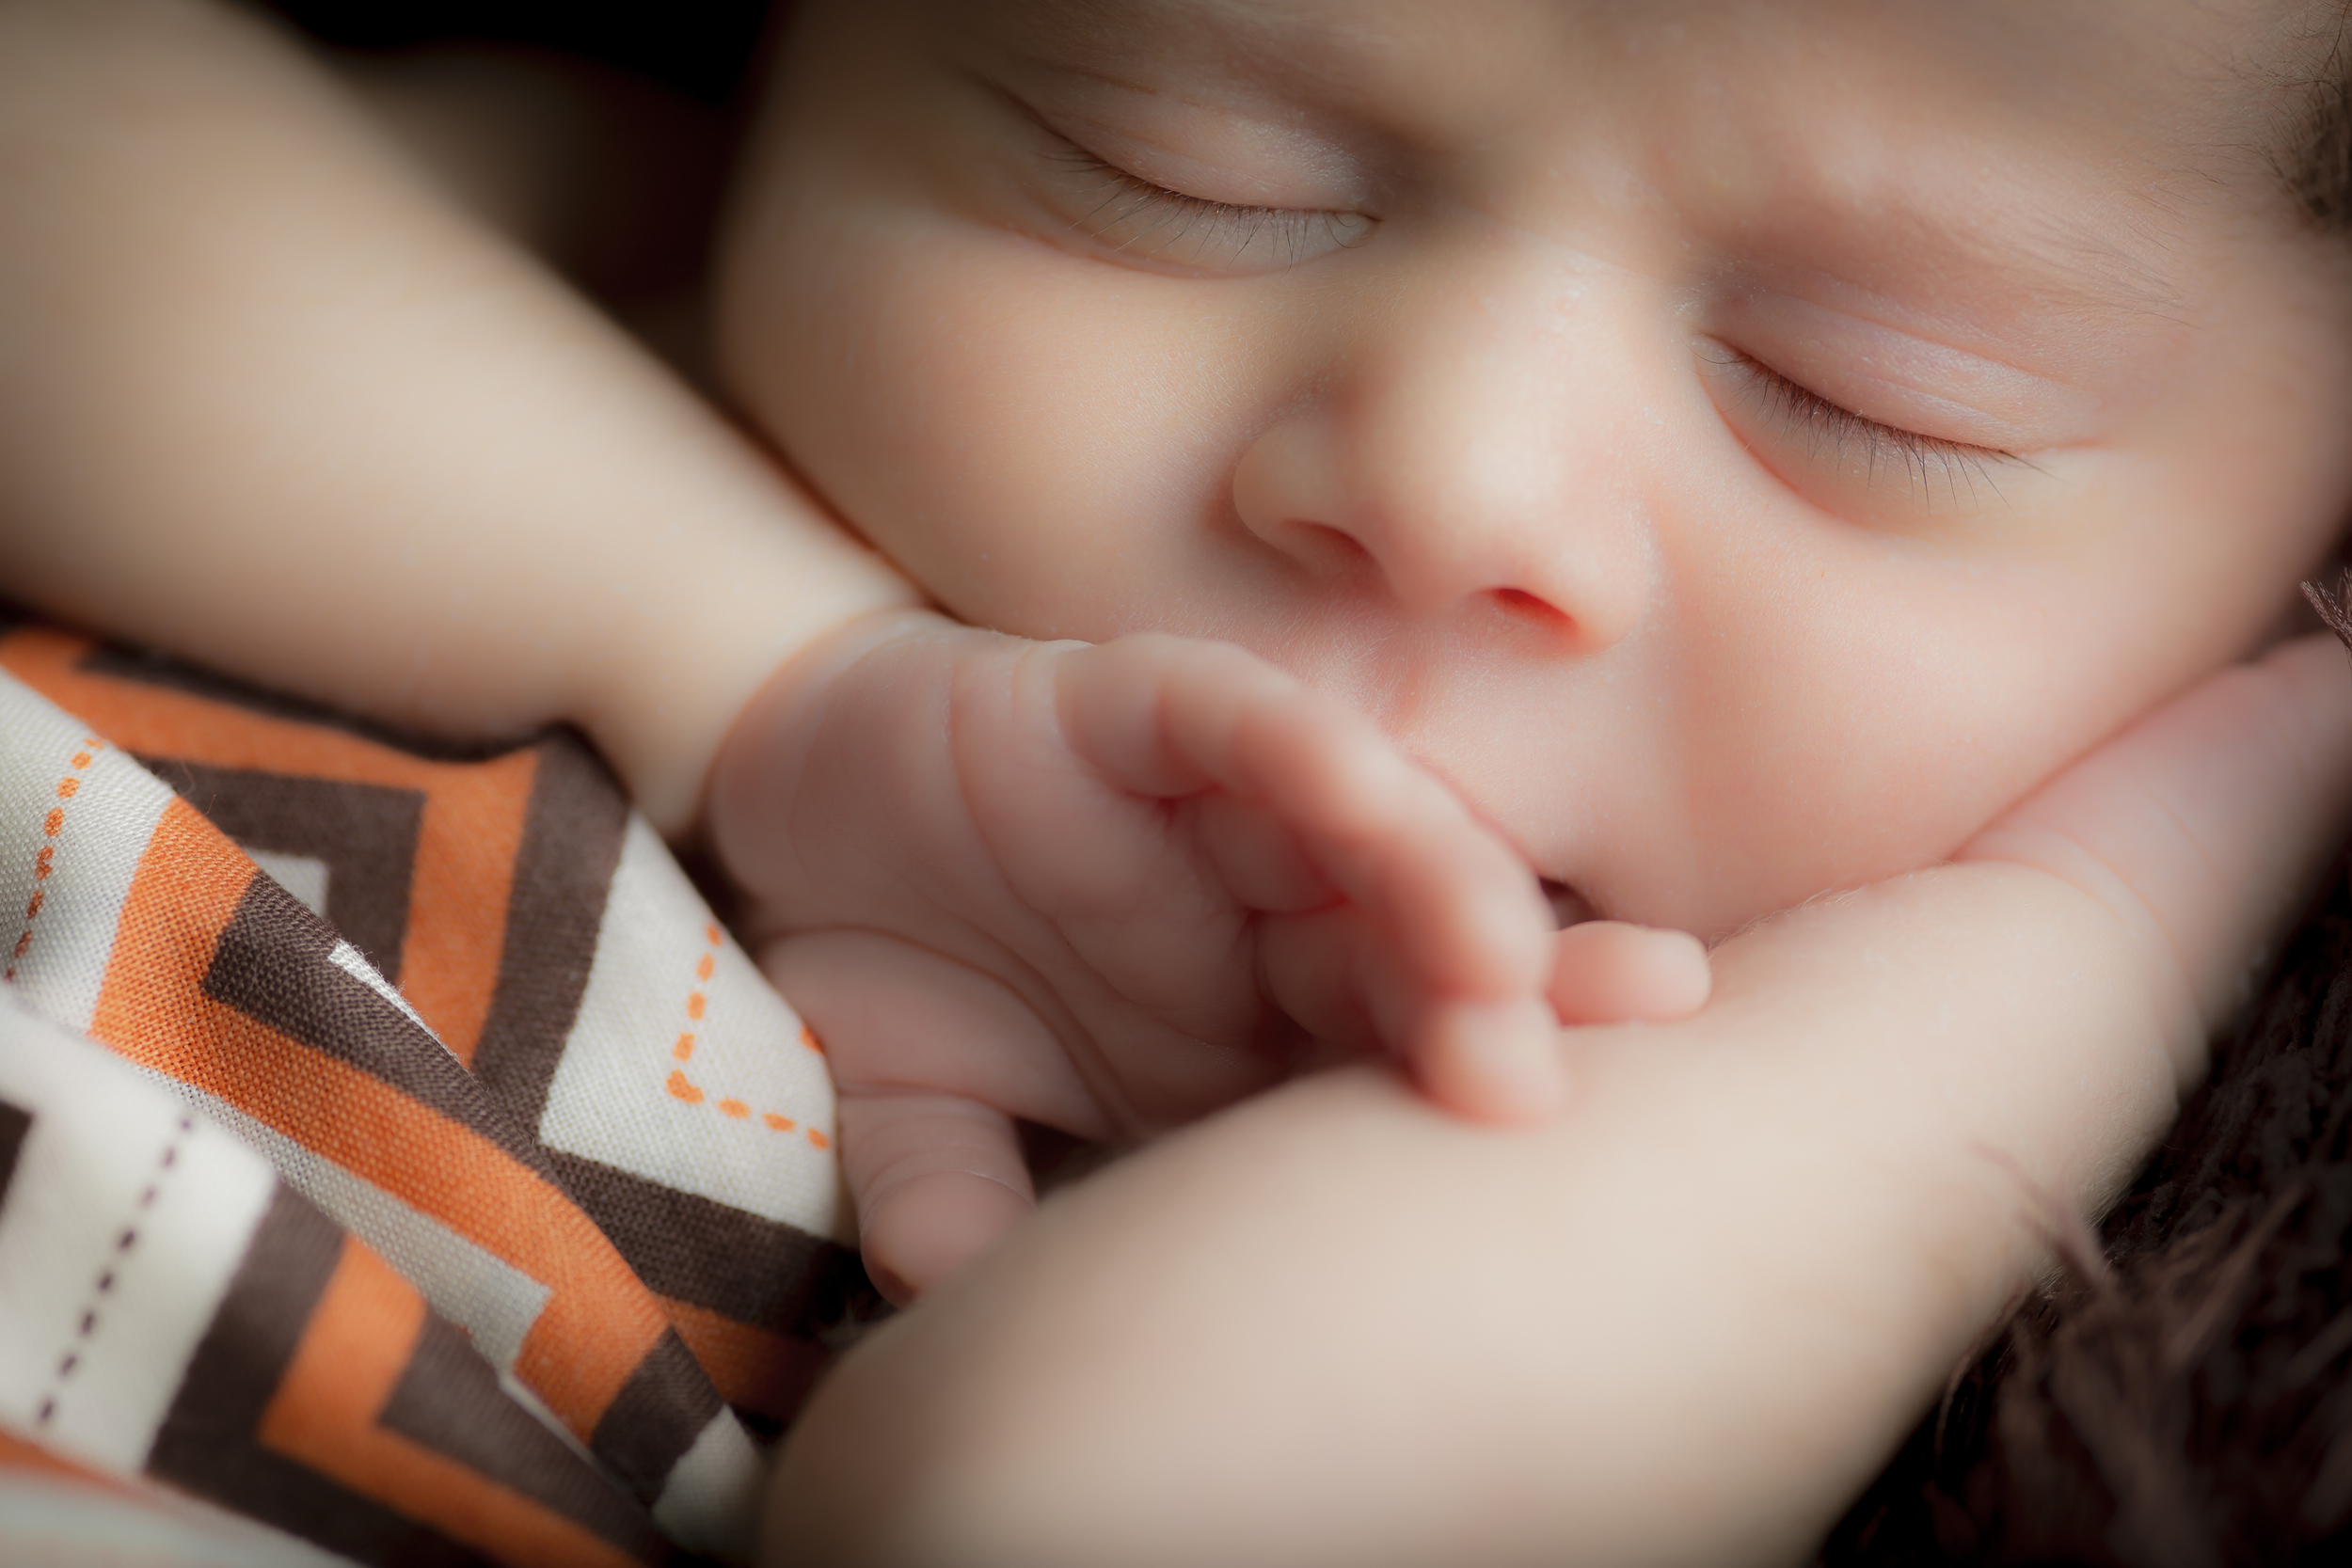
270	400
1683	1324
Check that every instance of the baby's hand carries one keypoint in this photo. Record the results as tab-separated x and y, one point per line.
1107	889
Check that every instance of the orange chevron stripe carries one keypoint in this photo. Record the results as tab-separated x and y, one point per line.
470	836
324	1416
17	1454
599	1319
752	1368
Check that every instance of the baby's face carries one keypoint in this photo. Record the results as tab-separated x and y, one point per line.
1742	444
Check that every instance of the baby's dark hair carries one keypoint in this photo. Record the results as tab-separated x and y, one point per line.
2318	160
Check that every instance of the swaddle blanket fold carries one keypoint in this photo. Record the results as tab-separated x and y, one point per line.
398	1161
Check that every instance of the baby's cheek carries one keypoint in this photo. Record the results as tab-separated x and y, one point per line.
965	419
1867	734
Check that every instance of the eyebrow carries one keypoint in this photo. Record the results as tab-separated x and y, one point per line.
1105	11
2052	264
1092	25
2103	268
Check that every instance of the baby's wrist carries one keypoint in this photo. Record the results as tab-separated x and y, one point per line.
804	673
661	703
760	744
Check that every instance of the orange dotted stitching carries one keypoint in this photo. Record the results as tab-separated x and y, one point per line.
684	1088
45	862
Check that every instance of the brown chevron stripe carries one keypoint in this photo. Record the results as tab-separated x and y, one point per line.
15	1121
761	1273
656	1415
449	1400
468	833
271	964
353	1353
207	1443
763	1376
571	841
365	834
600	1322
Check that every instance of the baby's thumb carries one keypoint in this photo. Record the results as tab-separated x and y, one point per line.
927	1059
937	1180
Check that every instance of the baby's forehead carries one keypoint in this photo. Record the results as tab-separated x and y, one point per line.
2200	80
2056	155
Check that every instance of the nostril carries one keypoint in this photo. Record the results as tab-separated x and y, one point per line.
1342	544
1519	604
1324	549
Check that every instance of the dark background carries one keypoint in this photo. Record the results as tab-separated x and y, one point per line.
700	48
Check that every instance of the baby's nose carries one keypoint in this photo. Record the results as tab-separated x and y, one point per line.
1463	472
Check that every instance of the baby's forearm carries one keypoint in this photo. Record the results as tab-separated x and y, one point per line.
268	400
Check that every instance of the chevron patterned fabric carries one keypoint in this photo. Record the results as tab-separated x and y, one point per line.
399	1162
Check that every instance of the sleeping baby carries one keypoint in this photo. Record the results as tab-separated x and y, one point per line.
1357	467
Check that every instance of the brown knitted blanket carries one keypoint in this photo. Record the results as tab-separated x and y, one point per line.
2183	1397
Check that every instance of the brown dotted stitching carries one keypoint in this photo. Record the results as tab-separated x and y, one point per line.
44	863
104	1285
684	1088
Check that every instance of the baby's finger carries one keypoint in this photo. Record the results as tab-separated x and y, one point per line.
936	1178
1169	716
1457	933
895	1016
1113	704
1455	982
1607	971
1465	908
1466	911
932	1061
1256	856
1308	967
1493	1060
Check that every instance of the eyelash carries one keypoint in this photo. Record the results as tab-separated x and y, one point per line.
1923	457
1298	231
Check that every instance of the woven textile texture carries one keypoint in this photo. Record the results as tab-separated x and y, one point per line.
398	1161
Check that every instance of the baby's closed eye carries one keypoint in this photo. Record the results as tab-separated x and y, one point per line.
1128	214
1847	461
